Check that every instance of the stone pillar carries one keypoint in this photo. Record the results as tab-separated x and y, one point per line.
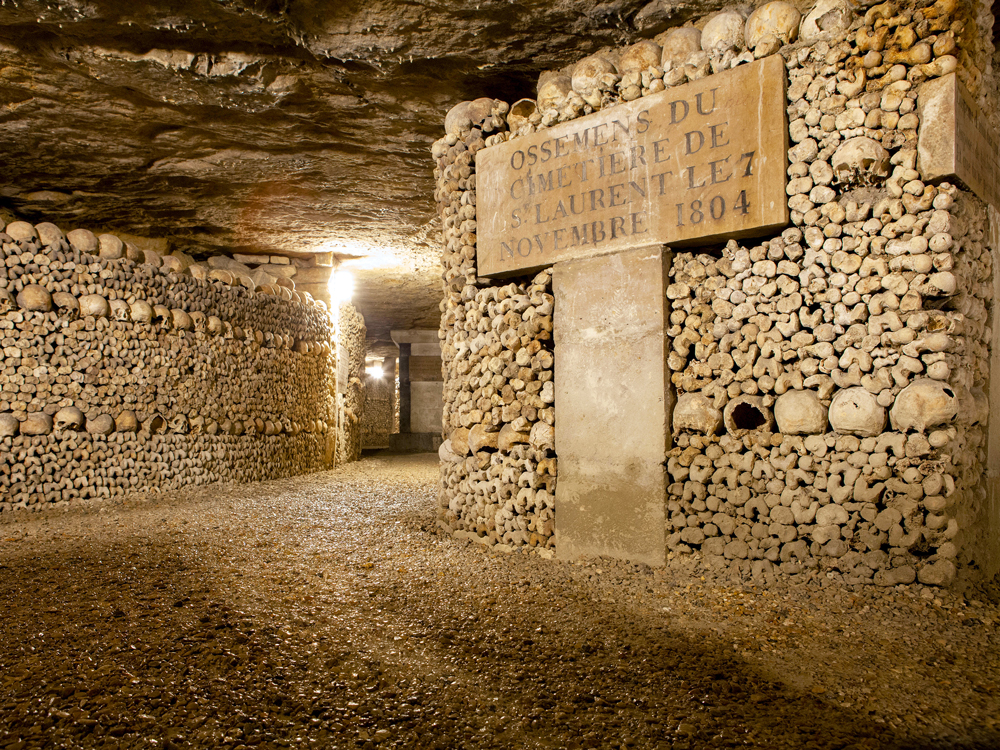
613	405
404	388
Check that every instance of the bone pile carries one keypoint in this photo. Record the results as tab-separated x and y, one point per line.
498	471
378	420
123	372
830	381
352	334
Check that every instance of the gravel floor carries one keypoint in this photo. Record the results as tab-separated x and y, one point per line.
328	611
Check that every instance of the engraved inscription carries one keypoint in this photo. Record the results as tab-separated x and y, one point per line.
701	161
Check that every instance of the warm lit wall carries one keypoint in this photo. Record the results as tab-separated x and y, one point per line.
832	378
177	381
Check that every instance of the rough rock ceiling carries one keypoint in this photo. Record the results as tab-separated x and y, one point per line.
257	127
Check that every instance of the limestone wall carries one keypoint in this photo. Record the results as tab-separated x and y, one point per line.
118	376
831	379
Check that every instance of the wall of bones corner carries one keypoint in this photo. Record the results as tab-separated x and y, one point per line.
352	394
123	370
831	378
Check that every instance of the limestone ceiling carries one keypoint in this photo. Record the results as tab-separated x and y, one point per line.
256	127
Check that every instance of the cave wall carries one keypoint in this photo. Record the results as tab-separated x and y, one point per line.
118	376
831	380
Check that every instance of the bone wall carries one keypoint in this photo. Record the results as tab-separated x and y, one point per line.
378	420
498	470
120	376
352	335
831	379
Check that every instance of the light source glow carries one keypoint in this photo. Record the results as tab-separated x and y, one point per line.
375	371
341	287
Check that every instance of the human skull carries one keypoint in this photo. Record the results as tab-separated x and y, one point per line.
112	248
746	414
6	301
642	55
826	19
552	90
83	240
119	310
94	305
49	234
197	320
778	19
592	76
171	264
180	425
211	427
861	161
142	312
21	231
9	426
856	411
215	326
155	425
103	424
678	46
198	425
800	412
696	412
127	422
66	305
723	31
466	115
181	320
923	404
38	423
161	314
35	297
69	418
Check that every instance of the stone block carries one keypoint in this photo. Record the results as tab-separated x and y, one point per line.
312	275
426	406
613	405
956	139
727	130
286	272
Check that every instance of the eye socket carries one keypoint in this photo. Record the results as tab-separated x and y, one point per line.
747	417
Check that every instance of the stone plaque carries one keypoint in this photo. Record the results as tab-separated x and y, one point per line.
701	162
956	139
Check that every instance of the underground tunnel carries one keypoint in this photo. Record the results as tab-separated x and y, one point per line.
294	297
